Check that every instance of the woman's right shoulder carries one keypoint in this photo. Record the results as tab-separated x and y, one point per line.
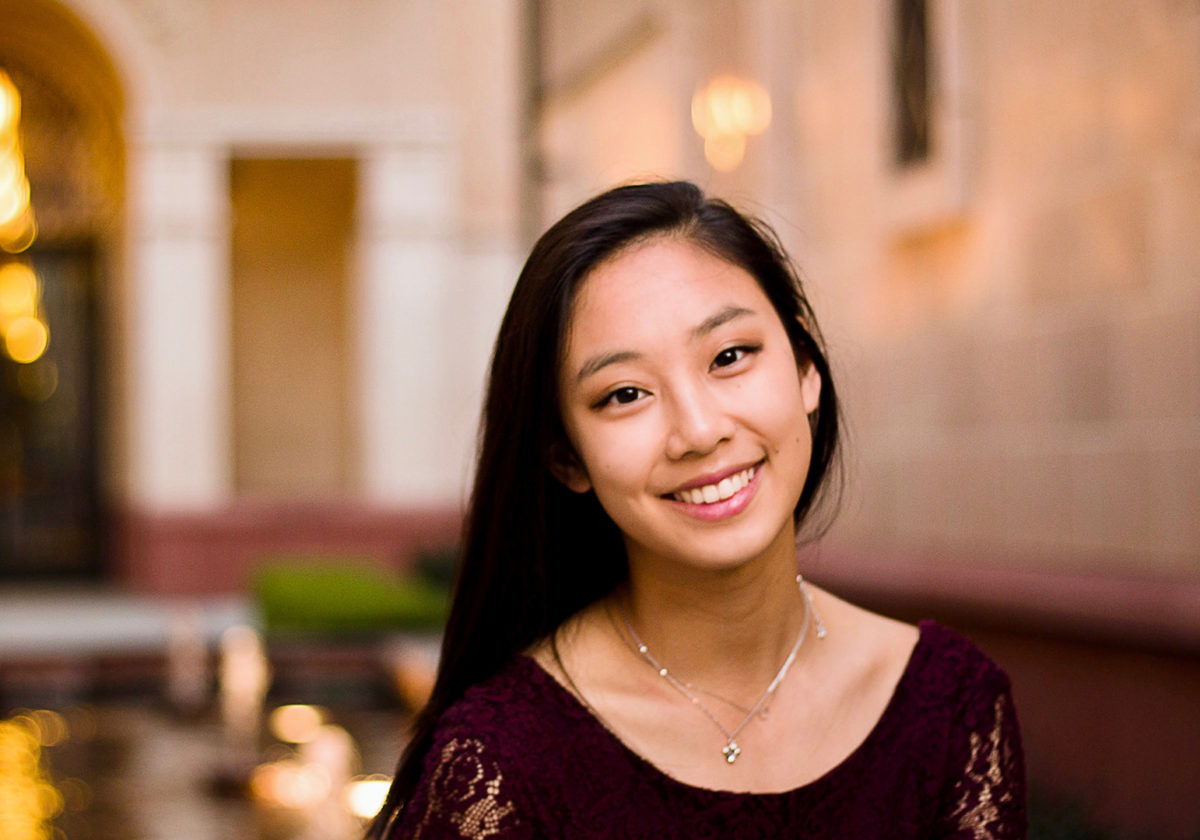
502	707
474	777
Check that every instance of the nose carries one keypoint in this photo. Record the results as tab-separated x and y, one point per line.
698	422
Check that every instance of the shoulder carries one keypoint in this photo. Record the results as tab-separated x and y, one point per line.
475	777
949	665
929	659
983	793
516	713
953	716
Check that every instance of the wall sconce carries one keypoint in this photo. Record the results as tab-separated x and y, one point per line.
724	113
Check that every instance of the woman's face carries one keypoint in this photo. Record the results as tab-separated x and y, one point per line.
683	403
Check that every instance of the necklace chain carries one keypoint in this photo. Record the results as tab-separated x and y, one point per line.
731	750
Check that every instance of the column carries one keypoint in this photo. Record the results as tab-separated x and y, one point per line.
407	204
179	327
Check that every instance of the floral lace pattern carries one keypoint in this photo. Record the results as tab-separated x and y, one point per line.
519	757
464	793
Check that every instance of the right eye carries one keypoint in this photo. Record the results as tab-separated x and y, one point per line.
621	396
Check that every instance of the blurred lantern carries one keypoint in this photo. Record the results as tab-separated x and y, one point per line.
17	225
725	113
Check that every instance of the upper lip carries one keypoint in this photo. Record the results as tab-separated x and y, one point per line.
714	477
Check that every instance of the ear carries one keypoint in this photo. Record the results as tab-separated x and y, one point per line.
567	468
810	388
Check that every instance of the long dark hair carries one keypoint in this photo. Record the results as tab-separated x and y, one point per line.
534	553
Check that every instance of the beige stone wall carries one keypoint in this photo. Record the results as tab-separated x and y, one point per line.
1016	325
424	98
1022	369
460	59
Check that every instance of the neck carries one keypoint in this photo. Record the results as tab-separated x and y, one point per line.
725	627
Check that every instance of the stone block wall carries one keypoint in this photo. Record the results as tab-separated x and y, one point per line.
1021	370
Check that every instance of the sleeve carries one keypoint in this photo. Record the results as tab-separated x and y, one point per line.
986	771
465	794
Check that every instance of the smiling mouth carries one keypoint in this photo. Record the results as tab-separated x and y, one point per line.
710	494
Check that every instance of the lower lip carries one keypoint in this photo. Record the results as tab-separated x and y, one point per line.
725	508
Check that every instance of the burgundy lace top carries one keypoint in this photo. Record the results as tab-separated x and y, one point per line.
520	757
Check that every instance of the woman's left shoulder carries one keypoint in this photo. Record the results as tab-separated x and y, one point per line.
928	659
946	656
983	793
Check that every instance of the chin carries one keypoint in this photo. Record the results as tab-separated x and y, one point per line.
714	552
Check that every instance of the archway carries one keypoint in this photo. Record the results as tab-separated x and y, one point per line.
53	427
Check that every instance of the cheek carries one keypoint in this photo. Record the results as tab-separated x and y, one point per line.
781	402
619	461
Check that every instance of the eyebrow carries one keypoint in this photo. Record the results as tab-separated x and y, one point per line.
726	315
603	360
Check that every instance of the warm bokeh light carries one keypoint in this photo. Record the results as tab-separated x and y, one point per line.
14	196
26	339
19	234
37	382
290	783
18	291
28	802
724	153
365	795
77	794
47	727
17	226
12	165
10	105
724	113
296	724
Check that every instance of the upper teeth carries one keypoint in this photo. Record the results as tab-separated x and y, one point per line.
718	492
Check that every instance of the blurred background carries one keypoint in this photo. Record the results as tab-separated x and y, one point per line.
254	255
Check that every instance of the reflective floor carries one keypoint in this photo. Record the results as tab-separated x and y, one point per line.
91	749
136	771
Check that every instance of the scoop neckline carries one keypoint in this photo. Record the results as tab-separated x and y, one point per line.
916	658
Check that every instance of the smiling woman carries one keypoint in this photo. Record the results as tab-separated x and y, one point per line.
632	649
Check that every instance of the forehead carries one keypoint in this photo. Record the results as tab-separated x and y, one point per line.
658	288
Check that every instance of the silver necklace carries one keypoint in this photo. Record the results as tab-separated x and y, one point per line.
731	750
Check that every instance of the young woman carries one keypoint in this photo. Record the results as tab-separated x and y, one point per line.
632	651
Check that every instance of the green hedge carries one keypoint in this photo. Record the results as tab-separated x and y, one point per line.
345	596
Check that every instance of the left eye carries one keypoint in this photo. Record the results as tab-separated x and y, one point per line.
730	356
621	396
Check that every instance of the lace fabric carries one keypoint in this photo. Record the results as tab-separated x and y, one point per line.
519	757
986	801
466	794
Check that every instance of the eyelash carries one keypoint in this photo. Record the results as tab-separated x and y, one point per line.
611	396
742	350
